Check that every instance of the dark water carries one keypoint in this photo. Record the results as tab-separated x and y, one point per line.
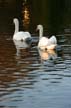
28	78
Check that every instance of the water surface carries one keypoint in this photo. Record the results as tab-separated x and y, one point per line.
30	80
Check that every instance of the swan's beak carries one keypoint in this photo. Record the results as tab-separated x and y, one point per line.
28	40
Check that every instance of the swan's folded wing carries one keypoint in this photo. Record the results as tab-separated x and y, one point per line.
53	40
28	34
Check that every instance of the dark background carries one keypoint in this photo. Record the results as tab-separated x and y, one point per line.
55	15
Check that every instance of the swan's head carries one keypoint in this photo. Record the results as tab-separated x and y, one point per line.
15	20
39	27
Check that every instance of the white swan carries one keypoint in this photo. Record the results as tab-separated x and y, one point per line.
45	43
21	35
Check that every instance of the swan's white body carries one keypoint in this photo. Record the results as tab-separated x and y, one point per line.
45	43
20	35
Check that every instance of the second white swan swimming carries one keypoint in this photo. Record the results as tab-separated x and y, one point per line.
44	42
21	35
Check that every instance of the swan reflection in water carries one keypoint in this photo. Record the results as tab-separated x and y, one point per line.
20	45
47	55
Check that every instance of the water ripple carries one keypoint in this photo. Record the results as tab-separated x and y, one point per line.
29	76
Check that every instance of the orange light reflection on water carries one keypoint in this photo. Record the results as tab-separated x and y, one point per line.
26	16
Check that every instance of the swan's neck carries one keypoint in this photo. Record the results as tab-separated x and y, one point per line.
16	26
40	32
